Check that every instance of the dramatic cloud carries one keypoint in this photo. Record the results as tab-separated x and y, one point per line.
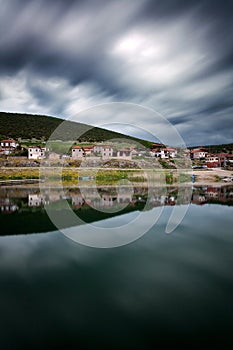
59	57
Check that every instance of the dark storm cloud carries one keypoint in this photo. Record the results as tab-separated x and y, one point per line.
58	57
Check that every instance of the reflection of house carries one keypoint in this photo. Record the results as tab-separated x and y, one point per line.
212	192
108	200
198	199
34	200
7	207
124	196
36	152
77	200
8	146
77	152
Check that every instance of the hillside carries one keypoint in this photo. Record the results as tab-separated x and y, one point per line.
29	126
221	148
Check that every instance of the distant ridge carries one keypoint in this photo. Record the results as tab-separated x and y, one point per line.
219	148
32	126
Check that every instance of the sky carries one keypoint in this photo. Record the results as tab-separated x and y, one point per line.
175	57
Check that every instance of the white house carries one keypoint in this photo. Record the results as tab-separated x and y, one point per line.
77	152
165	153
107	151
198	153
36	152
8	146
124	154
97	148
162	154
172	152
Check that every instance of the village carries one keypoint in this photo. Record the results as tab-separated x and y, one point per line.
200	157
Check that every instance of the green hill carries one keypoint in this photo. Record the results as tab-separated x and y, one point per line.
221	148
28	126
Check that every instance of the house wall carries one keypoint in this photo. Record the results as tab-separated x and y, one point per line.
107	152
77	153
35	153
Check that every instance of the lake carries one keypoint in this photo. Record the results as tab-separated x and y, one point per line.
161	289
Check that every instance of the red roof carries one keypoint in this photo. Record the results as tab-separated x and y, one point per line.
157	145
198	151
169	149
7	141
77	147
88	148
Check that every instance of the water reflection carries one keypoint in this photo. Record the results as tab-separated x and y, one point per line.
28	203
161	289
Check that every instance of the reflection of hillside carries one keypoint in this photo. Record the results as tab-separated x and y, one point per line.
27	213
109	196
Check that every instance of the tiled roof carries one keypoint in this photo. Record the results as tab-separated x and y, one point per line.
7	141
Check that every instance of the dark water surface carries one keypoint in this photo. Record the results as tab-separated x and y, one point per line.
160	290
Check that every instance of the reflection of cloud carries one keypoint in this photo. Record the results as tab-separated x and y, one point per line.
62	57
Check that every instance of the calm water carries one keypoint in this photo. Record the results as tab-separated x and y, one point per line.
161	289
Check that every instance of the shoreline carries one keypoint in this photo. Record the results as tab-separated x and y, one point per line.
25	176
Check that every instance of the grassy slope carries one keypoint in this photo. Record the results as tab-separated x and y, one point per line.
28	126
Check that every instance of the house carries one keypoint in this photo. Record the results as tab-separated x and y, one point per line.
124	154
107	151
212	161
88	150
172	152
8	146
164	153
77	152
54	156
97	148
224	159
36	152
198	153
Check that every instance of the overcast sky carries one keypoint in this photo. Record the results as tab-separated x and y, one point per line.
60	57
